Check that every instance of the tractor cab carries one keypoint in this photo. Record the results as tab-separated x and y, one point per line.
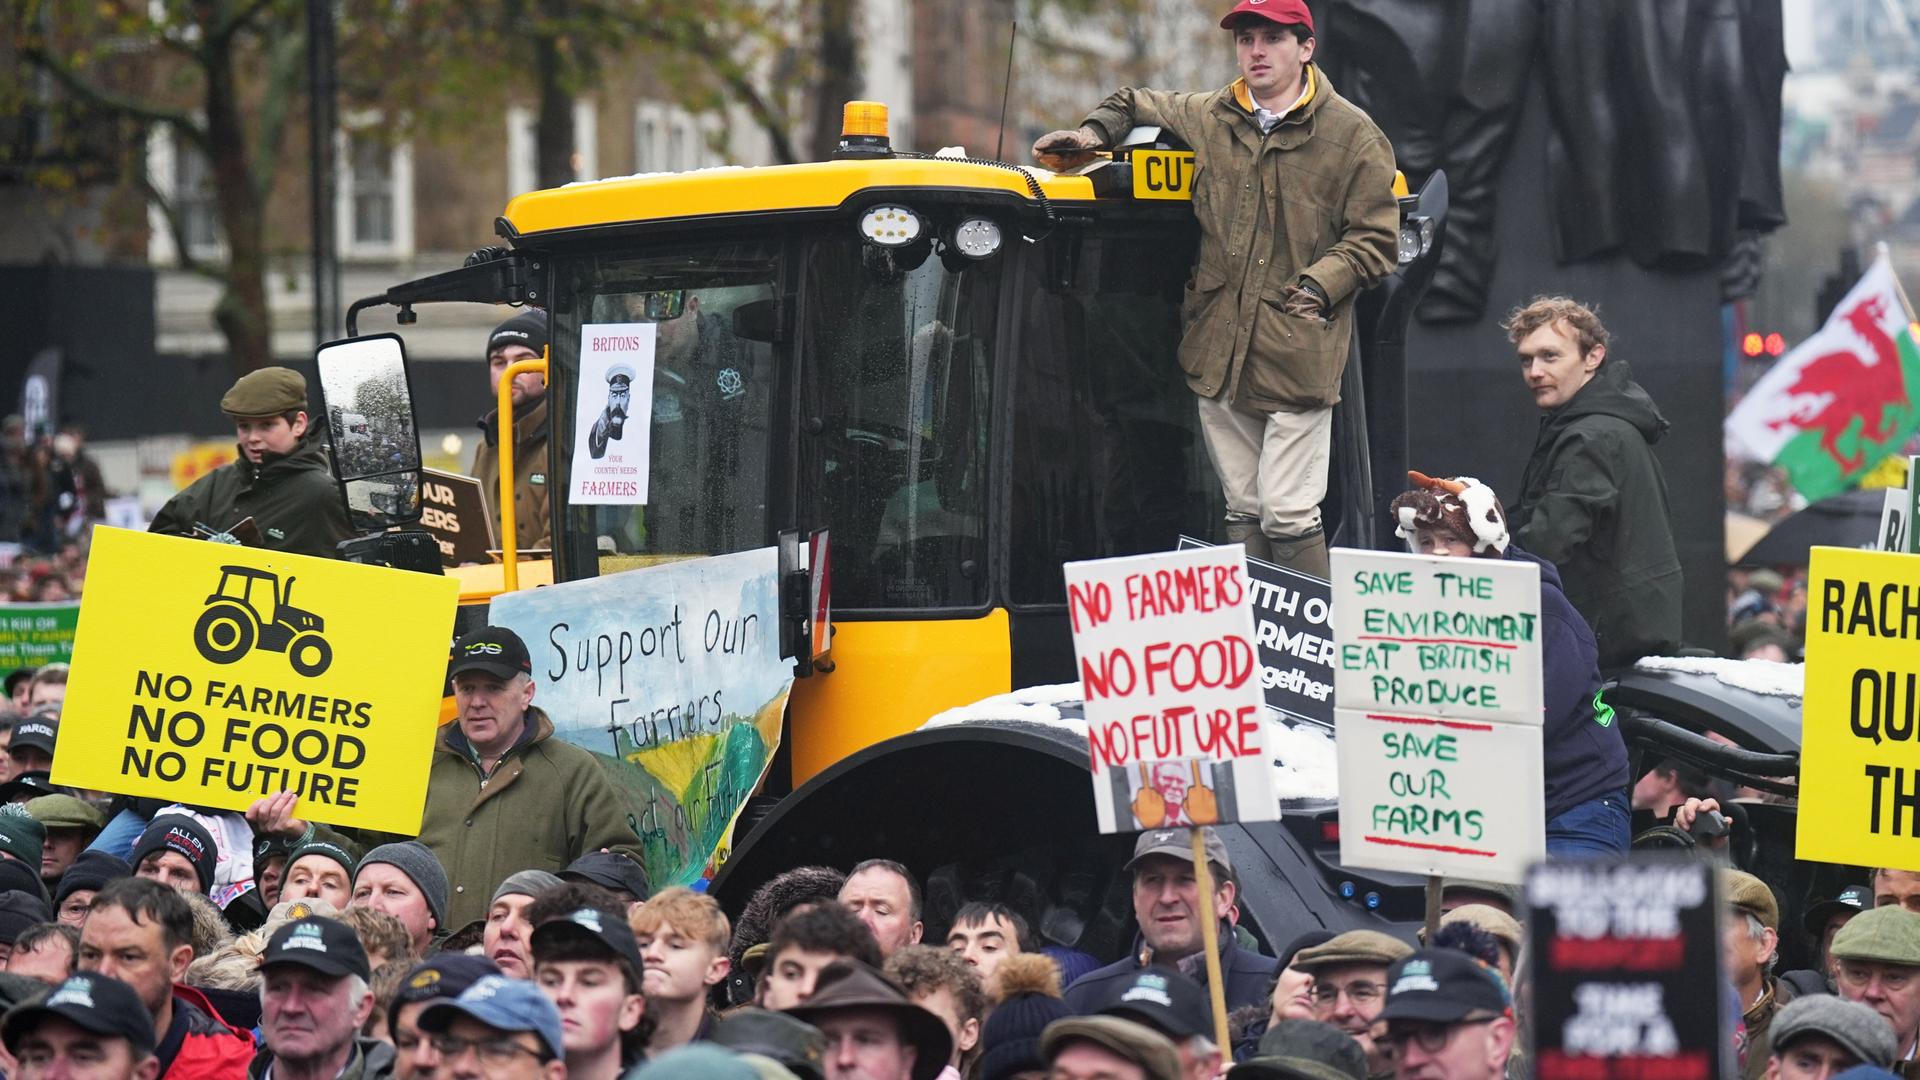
963	371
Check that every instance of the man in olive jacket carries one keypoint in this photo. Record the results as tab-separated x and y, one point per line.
503	794
1293	193
1593	499
281	480
523	337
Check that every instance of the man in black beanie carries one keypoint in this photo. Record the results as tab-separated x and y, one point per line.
88	875
523	337
175	851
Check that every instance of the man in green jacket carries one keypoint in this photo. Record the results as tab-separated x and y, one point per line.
1293	192
503	794
281	480
1593	499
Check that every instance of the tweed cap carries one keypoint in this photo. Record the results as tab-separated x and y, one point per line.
1355	947
1137	1043
1889	935
1304	1050
1501	925
1751	895
269	391
1855	1027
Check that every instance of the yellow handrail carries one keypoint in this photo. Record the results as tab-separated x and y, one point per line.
509	535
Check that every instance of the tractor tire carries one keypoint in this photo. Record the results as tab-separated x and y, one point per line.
224	633
309	645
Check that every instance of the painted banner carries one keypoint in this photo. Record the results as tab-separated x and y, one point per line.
672	677
36	634
613	414
213	675
1169	676
454	510
1859	716
1625	977
1425	795
1290	631
1831	409
1437	636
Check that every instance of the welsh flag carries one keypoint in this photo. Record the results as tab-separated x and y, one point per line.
1843	399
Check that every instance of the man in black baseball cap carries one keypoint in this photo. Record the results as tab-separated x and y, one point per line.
523	337
1822	921
503	792
589	963
314	1000
33	742
1176	1007
88	1018
442	978
1447	1014
617	873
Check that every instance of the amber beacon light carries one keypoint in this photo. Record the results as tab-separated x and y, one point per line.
863	130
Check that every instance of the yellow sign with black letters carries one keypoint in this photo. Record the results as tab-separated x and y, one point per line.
1162	174
215	675
1860	723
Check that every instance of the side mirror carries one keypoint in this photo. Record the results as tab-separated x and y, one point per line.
371	432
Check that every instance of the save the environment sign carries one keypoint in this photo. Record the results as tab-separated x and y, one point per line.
1437	676
214	674
1170	679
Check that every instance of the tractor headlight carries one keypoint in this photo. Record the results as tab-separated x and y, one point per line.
976	238
891	226
1416	238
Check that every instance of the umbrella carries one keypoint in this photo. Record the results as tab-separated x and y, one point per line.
1743	531
1849	520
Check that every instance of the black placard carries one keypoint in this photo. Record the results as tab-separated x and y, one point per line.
455	512
1291	613
1626	974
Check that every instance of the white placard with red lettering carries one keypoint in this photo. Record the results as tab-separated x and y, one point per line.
1438	636
1426	795
613	415
1176	723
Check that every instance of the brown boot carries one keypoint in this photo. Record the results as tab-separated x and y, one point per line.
1248	533
1306	554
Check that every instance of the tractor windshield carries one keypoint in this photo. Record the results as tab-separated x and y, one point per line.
712	310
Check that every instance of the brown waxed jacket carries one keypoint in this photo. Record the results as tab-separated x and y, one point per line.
530	520
1313	198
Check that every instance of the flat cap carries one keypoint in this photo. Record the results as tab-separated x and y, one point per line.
1504	927
269	391
65	812
1304	1050
1356	947
1751	895
1855	1027
1133	1042
1889	935
1481	892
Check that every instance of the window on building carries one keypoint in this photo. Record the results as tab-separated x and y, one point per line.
523	146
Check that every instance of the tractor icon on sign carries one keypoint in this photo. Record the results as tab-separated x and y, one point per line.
235	623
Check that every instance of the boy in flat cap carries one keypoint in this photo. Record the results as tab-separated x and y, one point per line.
281	480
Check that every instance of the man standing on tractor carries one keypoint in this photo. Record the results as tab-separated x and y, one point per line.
1294	197
523	337
281	479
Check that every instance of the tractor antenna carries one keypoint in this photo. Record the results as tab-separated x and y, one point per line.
1006	91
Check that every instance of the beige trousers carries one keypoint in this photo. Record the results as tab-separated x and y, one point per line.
1272	466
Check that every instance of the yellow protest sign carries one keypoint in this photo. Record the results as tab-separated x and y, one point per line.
1860	746
215	675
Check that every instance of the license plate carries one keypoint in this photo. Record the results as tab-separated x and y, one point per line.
1162	174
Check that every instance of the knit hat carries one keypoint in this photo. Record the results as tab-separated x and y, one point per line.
415	860
91	871
180	834
1462	506
19	910
525	883
21	837
19	876
1028	986
322	848
528	328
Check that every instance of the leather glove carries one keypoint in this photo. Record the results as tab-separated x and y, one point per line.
1305	301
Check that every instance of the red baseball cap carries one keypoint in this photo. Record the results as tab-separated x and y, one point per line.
1284	12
